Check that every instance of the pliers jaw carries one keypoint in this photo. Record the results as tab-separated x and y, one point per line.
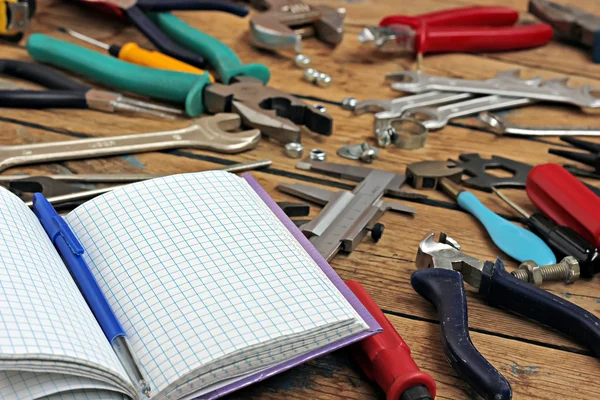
394	38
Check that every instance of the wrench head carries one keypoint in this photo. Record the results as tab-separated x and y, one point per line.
41	184
427	174
476	167
494	122
277	114
217	132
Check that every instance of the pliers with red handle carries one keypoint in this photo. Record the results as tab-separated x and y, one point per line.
469	29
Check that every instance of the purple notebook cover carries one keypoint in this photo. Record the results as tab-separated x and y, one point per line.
333	277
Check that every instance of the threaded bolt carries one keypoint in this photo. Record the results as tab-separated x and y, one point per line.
566	270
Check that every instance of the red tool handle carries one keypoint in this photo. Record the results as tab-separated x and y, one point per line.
385	357
105	6
465	16
566	200
467	39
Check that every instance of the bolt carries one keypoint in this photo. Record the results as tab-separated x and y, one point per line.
310	75
566	270
349	103
302	61
323	80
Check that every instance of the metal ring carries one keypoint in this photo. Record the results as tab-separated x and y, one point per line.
402	132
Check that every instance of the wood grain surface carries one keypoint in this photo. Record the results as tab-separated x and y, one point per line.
538	362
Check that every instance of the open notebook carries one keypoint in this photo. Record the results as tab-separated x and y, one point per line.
212	288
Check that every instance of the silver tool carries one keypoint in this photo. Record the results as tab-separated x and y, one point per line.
437	118
89	194
401	104
318	155
363	152
403	132
498	125
212	133
294	150
555	90
347	216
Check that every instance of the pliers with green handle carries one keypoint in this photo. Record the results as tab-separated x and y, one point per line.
275	113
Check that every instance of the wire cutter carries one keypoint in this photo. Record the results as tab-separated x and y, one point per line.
571	23
67	93
469	29
135	11
592	158
442	267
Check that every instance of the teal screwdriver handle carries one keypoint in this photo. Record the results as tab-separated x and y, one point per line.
179	87
517	242
220	56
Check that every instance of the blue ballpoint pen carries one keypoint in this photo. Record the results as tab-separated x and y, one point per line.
72	253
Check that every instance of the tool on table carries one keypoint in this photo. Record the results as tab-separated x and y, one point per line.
554	90
565	199
133	53
563	240
276	113
135	11
442	269
501	127
67	93
286	22
467	29
71	249
571	23
403	132
59	193
517	242
348	216
385	357
363	152
15	16
592	158
211	133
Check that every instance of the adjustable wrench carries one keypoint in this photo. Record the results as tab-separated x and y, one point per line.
212	133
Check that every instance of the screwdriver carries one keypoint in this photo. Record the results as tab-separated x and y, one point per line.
133	53
563	240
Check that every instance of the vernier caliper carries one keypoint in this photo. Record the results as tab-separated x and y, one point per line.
348	216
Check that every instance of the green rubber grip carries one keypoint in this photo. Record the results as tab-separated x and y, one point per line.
180	87
220	56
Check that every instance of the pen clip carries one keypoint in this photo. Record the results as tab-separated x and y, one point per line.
54	224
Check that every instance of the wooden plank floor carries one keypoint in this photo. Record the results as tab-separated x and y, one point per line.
539	363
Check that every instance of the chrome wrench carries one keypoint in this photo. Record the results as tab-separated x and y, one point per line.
498	125
211	133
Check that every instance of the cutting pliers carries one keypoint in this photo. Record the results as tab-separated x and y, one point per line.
469	29
66	93
136	11
442	269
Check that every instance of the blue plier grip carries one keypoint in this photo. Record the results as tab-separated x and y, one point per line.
445	289
221	57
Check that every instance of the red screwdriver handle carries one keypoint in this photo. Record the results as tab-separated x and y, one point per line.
468	39
566	200
106	6
385	358
464	16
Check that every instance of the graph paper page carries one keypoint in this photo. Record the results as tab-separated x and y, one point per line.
197	267
43	316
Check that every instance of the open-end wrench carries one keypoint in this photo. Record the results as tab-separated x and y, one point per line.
502	127
437	118
212	133
558	91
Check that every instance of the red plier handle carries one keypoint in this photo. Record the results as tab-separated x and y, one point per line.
472	29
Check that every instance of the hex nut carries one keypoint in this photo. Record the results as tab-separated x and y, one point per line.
302	61
318	155
323	80
310	75
533	272
349	103
294	150
574	270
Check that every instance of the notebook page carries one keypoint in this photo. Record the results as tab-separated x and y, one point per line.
43	316
197	267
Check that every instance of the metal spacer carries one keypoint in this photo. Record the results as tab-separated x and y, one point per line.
318	155
294	150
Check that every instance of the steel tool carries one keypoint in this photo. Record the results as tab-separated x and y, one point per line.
517	242
15	16
402	132
566	200
286	22
571	23
591	158
563	240
401	104
501	127
442	269
555	90
212	133
133	53
468	29
67	93
348	216
135	11
363	152
385	357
